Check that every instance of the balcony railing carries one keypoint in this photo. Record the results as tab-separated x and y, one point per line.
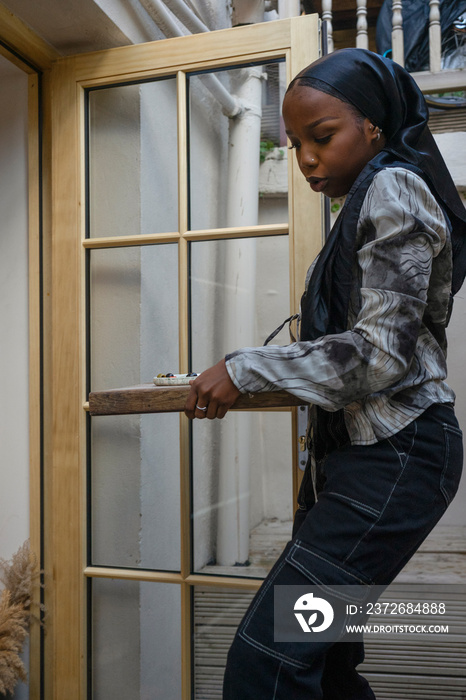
433	79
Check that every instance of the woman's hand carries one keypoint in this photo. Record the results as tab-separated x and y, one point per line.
212	393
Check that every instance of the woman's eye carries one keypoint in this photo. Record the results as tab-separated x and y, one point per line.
323	139
293	145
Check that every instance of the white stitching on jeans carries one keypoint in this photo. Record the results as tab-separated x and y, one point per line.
319	556
359	504
276	680
403	465
265	588
258	645
445	464
269	652
400	451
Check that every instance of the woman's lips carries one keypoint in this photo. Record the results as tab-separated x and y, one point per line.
317	183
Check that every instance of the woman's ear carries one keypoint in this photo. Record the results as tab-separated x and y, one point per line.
375	132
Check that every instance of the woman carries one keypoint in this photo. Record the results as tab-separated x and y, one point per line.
386	449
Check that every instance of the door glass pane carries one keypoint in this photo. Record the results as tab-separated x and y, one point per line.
132	159
217	614
136	640
242	489
135	491
133	315
238	164
134	468
239	295
242	492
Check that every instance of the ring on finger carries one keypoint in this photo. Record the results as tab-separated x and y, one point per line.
201	409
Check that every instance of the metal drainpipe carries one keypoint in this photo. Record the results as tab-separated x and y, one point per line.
186	15
207	12
166	22
289	8
240	275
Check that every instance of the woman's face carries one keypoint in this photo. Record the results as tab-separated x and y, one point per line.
332	145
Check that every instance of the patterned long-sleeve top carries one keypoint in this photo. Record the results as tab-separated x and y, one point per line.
390	363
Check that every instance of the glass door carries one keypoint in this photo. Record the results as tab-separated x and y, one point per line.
193	240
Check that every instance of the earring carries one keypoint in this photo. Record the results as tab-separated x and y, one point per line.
379	133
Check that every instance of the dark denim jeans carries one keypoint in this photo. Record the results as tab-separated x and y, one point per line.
376	504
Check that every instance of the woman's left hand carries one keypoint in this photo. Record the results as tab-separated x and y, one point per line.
212	393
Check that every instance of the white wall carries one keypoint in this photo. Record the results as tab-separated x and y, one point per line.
14	423
14	419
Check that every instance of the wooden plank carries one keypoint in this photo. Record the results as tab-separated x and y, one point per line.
305	206
446	80
238	232
427	567
148	398
239	584
393	686
19	37
132	574
174	237
124	241
183	336
444	539
188	51
65	597
306	237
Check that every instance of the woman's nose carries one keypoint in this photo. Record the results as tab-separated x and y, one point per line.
308	158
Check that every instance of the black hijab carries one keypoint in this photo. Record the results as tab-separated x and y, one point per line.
387	95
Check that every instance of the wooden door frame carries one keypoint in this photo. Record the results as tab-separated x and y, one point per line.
22	47
66	520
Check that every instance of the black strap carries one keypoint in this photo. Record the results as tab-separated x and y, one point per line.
277	330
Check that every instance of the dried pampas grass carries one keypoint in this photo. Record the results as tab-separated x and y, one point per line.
17	576
13	631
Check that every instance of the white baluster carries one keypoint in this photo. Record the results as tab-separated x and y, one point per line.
362	37
327	17
397	33
435	36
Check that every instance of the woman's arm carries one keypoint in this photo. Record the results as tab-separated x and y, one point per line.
406	230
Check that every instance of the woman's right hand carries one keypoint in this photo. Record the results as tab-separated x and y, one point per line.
212	393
